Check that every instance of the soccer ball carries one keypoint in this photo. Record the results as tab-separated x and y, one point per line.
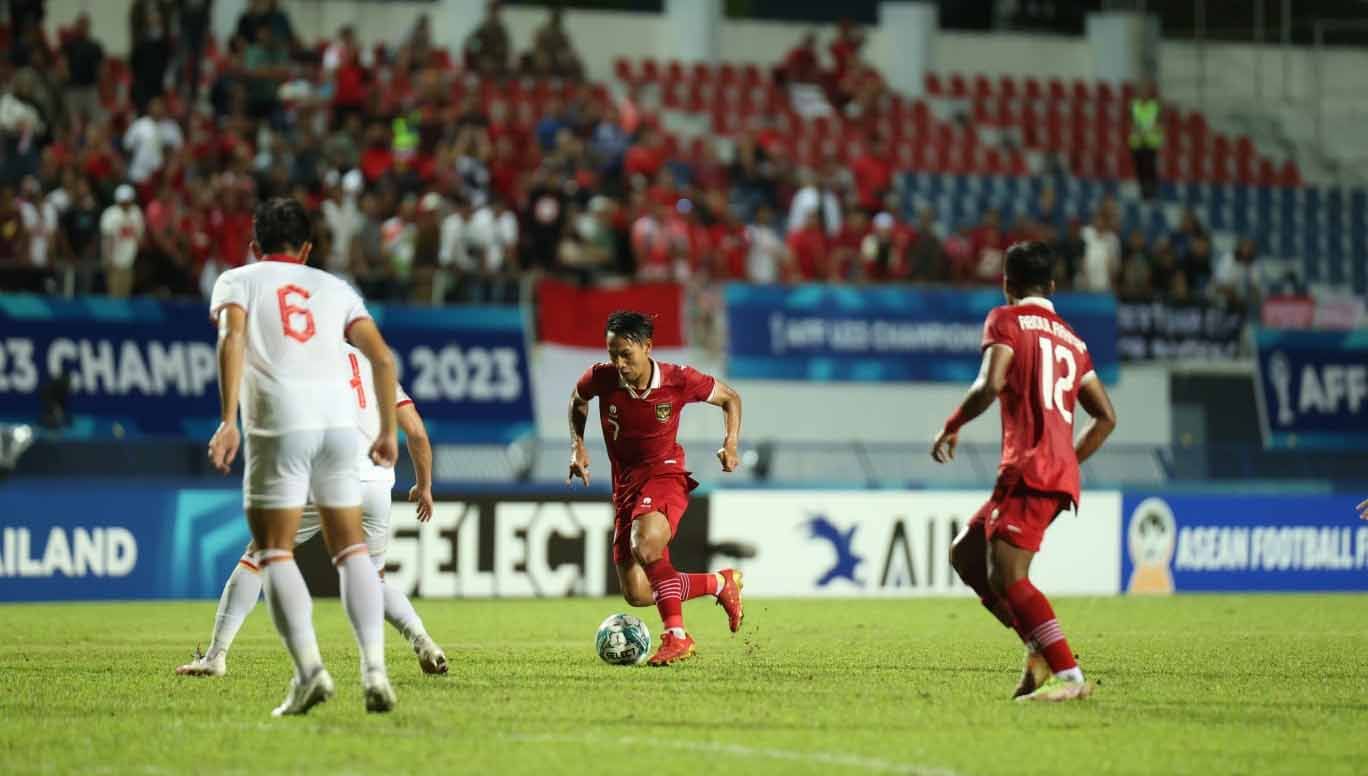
623	640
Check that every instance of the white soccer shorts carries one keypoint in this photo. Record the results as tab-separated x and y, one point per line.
302	467
375	517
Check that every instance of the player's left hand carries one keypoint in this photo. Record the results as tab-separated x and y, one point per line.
943	449
223	446
1363	509
423	498
385	451
726	455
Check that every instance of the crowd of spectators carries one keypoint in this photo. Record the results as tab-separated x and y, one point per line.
436	181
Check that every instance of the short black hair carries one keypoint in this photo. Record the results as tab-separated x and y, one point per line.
630	325
1030	268
281	224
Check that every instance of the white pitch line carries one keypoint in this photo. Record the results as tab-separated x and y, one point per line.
844	759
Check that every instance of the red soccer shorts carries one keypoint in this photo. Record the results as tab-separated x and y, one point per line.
667	494
1019	515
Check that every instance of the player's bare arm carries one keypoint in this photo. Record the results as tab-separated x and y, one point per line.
729	400
232	345
420	452
991	378
366	337
579	457
1094	399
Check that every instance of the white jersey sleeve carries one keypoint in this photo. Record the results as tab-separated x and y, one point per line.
368	414
228	290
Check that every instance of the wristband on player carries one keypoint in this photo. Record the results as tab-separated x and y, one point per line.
955	421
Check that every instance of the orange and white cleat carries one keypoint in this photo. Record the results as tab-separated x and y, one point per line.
672	650
1034	673
202	665
729	598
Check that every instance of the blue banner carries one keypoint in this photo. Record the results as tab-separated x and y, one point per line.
884	333
1313	388
144	366
108	540
1189	543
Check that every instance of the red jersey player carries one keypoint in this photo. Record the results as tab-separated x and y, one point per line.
1039	368
640	400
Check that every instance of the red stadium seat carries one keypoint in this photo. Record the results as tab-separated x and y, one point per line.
650	70
958	89
1289	175
1032	89
1056	90
702	72
933	85
727	74
674	71
983	88
1104	92
1127	94
993	163
751	75
1268	174
1007	87
622	68
1080	92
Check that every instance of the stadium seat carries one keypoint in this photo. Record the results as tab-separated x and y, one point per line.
933	85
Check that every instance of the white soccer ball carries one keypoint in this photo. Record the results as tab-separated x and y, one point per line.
623	640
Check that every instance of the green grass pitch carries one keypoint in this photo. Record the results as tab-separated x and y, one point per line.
1200	685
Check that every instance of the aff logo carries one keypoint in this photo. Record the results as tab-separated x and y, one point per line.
1325	389
847	562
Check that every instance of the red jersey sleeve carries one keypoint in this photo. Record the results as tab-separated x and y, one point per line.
589	383
1085	366
697	385
1000	328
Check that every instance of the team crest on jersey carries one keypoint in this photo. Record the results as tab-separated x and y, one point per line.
663	412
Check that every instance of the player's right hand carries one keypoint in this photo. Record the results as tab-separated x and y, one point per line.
579	466
943	448
223	446
385	451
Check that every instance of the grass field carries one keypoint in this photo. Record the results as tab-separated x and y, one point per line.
1200	685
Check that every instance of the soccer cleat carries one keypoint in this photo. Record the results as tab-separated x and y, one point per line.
672	649
1055	690
307	694
431	658
729	598
1034	673
203	665
379	695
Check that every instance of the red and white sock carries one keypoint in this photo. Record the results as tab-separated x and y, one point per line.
239	598
291	609
1035	616
699	585
668	591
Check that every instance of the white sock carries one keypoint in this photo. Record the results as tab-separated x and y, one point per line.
400	613
364	602
291	609
678	632
239	598
1074	674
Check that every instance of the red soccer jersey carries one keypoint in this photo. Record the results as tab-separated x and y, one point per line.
1049	363
640	428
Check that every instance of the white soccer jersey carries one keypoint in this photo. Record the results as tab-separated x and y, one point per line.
362	381
295	375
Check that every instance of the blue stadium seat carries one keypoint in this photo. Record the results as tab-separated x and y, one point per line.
1168	191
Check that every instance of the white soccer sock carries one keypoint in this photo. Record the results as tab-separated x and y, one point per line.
1074	674
399	611
291	608
239	598
679	633
365	605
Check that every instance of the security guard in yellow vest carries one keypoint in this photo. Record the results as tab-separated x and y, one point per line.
1146	136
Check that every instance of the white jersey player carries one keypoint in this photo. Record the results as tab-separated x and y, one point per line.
283	329
243	587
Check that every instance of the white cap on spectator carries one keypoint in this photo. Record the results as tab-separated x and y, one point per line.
353	182
883	221
123	194
430	202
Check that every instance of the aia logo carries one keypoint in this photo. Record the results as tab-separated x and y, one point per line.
819	527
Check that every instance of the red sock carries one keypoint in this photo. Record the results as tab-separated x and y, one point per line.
668	591
1035	617
698	585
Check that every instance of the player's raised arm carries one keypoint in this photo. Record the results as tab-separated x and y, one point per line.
579	457
420	452
729	400
991	378
1094	399
232	345
366	337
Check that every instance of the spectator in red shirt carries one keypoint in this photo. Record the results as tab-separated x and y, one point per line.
810	250
845	247
800	64
378	157
987	247
845	49
646	157
873	171
883	253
